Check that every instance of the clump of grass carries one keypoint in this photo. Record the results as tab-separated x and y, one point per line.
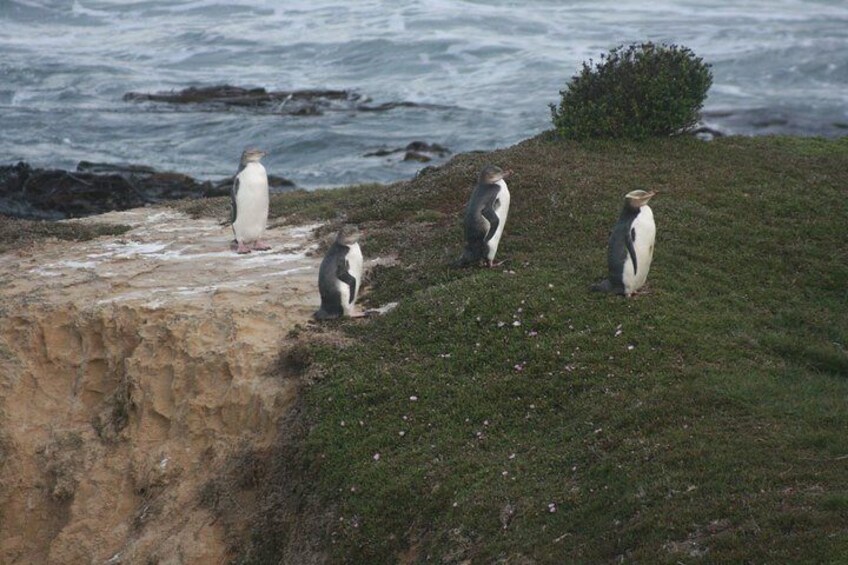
509	414
16	233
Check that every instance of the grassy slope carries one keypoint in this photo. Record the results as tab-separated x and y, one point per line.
714	421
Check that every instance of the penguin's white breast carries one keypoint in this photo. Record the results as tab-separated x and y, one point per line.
645	234
252	202
354	260
501	211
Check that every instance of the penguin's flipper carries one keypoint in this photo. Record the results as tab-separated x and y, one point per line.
233	194
489	213
628	240
343	274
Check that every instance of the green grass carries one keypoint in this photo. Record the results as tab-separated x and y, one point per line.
706	419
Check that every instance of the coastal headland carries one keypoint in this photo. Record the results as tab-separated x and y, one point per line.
165	400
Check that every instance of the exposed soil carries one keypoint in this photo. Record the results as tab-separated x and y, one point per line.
135	368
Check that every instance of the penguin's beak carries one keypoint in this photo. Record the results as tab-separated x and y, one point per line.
506	173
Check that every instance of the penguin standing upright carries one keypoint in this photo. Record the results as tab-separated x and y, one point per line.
250	202
631	246
340	275
485	216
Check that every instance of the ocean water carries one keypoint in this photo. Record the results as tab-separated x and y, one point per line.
491	68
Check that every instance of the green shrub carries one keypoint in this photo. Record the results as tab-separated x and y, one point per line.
644	90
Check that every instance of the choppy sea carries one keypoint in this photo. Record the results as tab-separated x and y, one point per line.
485	72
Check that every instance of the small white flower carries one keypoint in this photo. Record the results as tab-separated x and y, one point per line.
552	507
413	398
376	457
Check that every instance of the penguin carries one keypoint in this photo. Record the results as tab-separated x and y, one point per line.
340	275
631	246
250	202
485	217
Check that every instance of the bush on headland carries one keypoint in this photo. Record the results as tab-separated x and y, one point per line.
641	91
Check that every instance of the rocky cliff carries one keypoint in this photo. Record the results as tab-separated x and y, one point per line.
131	370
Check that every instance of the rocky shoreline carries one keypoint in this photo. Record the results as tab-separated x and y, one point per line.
96	188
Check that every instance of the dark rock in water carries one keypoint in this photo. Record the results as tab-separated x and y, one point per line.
121	169
416	156
419	151
771	120
382	152
53	194
386	106
237	96
293	102
423	146
95	188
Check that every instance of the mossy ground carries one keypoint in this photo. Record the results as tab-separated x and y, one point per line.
510	415
16	233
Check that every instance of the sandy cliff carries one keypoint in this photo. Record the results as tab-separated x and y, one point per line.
131	369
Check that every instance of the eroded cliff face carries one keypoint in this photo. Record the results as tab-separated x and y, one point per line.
131	371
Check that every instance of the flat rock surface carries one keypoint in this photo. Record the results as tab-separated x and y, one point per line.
167	258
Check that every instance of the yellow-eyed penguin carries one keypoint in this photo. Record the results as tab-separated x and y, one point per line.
340	275
250	202
485	216
631	246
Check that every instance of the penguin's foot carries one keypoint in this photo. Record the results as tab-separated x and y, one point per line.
494	264
242	248
260	245
603	286
640	292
